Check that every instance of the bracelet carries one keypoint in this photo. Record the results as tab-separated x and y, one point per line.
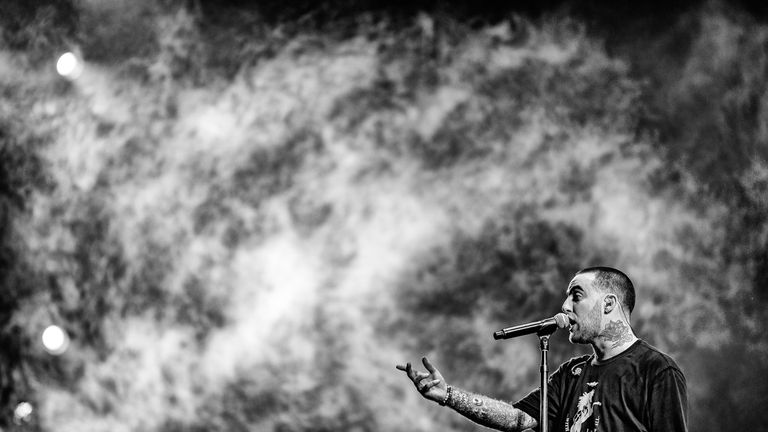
448	393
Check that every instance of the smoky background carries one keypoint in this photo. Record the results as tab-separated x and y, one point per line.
243	215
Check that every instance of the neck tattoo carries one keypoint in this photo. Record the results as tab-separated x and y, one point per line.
616	333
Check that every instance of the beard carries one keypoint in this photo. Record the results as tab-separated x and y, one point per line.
587	328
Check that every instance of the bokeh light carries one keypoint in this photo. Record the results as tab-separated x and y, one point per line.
55	340
22	413
69	66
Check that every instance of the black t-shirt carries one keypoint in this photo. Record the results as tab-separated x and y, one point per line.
641	389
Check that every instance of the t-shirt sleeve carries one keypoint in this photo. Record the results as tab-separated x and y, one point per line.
668	402
530	403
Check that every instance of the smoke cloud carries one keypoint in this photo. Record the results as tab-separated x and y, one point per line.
247	226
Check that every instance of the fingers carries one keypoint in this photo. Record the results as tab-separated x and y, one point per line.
428	365
425	382
421	375
418	377
408	370
429	385
414	375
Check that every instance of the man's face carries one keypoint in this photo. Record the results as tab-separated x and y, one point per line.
583	305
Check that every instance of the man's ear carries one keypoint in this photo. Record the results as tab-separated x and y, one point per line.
609	303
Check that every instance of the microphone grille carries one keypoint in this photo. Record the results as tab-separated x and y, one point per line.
562	320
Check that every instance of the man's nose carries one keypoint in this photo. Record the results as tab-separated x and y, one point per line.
566	306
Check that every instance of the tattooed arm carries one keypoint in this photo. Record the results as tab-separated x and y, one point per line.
488	411
480	409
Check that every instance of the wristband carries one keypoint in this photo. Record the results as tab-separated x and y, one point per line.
447	396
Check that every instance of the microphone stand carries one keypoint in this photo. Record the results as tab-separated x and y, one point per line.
543	398
545	329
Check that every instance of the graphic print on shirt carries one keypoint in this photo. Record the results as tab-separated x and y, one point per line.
585	412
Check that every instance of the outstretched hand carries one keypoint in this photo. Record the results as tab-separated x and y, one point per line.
430	384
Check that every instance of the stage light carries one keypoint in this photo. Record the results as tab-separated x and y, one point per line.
22	413
55	340
69	66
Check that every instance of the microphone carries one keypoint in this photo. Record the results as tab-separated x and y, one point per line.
545	326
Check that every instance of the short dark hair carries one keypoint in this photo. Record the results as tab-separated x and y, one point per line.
611	280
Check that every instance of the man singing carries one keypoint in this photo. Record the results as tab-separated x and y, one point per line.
625	385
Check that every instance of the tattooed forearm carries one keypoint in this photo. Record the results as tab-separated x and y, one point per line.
616	332
489	412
